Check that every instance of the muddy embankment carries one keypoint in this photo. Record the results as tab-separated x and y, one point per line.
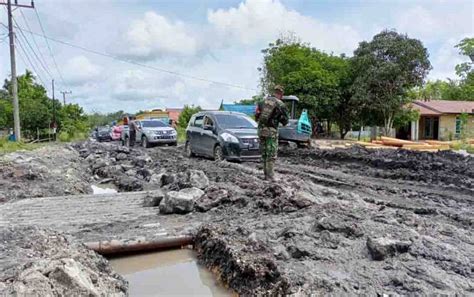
344	221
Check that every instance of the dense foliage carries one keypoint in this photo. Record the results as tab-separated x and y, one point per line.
186	115
38	112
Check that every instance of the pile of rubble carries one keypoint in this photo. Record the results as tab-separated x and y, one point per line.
38	262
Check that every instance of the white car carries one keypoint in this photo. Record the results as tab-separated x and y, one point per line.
150	132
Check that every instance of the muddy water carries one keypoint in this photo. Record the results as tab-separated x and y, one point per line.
168	273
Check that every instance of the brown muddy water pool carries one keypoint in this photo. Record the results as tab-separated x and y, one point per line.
168	273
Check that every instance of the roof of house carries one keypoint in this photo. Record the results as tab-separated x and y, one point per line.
174	109
438	107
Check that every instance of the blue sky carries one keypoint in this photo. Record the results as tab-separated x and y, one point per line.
214	40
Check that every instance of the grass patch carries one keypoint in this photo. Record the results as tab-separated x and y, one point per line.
181	134
10	146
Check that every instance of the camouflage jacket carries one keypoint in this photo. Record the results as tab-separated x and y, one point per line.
271	112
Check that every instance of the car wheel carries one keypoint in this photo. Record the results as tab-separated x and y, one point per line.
173	144
218	153
145	143
187	150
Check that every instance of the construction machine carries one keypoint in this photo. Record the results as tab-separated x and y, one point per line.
298	130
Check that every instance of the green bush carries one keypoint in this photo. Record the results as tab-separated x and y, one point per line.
181	134
64	136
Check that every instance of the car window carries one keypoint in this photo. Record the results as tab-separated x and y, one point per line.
198	121
234	121
208	121
153	124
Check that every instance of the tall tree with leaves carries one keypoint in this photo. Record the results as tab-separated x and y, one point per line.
386	68
317	78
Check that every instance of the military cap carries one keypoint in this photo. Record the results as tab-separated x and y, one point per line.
278	88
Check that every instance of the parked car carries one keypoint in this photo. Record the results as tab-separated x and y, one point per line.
103	134
222	135
117	132
150	132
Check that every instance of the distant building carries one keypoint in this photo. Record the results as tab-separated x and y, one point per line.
174	113
440	119
247	109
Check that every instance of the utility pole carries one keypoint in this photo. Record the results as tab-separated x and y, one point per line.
54	111
64	95
11	35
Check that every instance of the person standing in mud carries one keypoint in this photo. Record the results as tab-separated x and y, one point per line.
132	131
269	114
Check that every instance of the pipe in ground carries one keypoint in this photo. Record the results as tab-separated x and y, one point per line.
117	247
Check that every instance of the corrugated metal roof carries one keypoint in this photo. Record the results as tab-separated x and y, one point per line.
247	109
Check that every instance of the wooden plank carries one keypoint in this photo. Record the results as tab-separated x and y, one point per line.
396	140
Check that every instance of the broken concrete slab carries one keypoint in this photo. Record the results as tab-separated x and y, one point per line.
181	202
383	247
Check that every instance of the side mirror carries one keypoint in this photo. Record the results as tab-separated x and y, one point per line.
208	127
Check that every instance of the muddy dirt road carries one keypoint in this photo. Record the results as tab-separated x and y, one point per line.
344	221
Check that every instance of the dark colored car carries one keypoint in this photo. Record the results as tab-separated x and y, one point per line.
222	135
104	134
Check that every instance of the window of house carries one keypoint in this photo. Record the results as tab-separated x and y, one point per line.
458	125
198	121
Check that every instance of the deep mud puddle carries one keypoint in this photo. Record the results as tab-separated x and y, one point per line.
168	273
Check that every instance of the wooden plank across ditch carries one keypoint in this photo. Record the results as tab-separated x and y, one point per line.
92	217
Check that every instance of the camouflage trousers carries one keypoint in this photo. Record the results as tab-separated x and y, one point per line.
268	147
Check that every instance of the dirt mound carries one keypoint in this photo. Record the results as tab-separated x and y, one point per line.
241	262
443	167
38	262
48	171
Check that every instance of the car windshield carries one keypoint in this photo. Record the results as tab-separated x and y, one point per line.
231	121
153	124
103	129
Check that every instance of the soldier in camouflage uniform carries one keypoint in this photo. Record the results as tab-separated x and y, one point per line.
270	113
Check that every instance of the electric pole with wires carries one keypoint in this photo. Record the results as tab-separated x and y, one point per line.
11	34
64	95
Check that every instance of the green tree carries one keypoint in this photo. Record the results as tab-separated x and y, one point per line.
452	89
253	101
186	114
319	79
386	69
35	106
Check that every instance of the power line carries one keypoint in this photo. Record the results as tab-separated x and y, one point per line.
40	62
36	44
29	60
49	47
140	64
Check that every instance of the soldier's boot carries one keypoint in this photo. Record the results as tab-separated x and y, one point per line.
270	171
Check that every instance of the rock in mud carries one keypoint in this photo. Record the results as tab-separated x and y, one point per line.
128	183
39	262
383	247
198	179
153	198
181	202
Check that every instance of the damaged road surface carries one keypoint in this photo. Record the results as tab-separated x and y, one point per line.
341	222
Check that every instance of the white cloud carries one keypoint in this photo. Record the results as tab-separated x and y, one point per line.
154	36
80	70
257	21
434	23
445	59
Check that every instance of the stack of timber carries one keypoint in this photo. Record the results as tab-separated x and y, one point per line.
395	143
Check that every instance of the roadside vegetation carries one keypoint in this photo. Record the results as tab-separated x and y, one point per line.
9	146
